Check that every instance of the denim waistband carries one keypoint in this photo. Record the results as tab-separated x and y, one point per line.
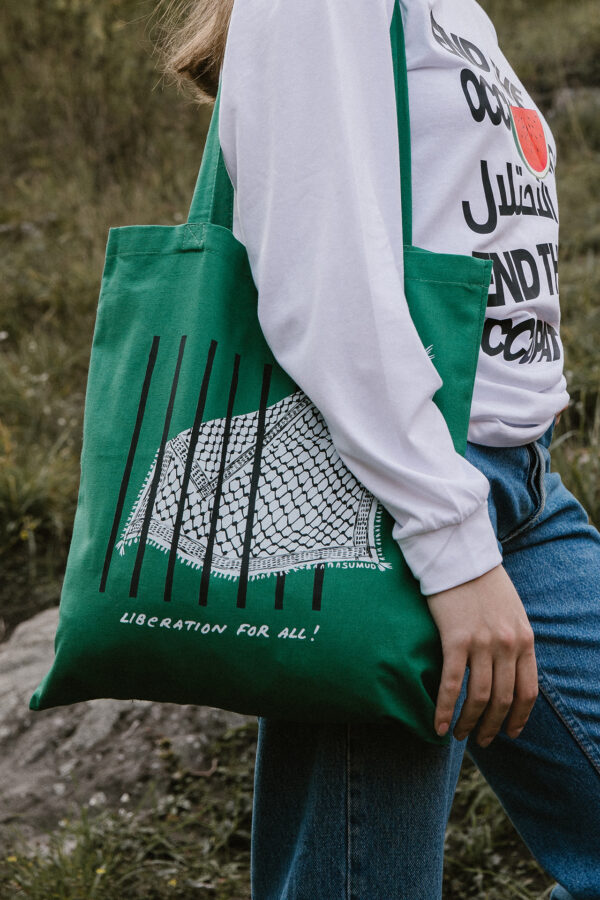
517	477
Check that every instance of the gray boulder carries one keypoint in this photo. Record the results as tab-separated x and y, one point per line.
95	753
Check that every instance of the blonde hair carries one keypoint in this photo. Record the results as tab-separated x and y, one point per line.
191	43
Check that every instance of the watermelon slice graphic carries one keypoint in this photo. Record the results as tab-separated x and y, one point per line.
530	139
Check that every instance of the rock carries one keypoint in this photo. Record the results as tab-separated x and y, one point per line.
97	723
87	754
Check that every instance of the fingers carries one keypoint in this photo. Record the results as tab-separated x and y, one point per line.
501	700
526	691
502	684
483	624
479	690
453	673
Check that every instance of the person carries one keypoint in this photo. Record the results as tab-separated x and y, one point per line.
506	557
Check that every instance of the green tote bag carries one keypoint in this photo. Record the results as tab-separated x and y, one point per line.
222	554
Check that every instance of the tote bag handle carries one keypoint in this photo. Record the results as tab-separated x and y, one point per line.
213	194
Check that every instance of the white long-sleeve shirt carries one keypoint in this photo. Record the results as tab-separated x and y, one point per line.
308	129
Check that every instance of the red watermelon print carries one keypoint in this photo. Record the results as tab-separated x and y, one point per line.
530	139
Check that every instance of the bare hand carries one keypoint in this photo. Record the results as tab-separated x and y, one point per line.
483	624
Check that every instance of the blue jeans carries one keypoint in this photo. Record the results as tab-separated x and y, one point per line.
359	812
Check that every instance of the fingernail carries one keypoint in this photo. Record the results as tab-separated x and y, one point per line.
442	728
515	734
486	742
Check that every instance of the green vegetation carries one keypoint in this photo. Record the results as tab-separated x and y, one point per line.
191	841
89	139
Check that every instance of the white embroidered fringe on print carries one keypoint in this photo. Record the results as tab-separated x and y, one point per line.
310	509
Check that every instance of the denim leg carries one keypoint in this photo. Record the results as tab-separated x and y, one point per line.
548	780
359	813
559	893
550	792
348	812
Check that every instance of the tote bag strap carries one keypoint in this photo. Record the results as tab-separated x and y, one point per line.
213	195
403	115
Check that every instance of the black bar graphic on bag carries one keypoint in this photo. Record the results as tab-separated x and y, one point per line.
130	457
279	589
188	469
210	543
318	587
135	578
260	437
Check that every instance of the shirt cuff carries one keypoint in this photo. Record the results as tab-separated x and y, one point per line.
449	556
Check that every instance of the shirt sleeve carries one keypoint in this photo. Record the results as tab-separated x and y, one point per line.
307	125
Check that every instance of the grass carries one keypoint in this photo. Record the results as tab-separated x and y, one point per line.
191	841
76	160
90	139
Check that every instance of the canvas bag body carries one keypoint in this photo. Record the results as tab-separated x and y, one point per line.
222	554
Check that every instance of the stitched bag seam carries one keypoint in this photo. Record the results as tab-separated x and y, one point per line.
204	249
